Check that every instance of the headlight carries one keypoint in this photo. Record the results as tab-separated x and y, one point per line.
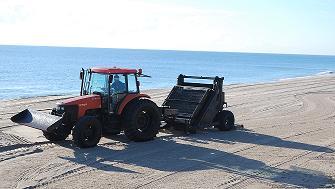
60	108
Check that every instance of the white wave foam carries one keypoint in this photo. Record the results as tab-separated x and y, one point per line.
323	73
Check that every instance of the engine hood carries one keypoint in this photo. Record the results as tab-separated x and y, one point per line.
92	101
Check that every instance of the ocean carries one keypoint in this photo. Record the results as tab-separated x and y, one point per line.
29	71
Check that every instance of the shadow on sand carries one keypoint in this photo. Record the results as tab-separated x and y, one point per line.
165	154
243	135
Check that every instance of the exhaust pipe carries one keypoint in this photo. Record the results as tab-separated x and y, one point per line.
37	120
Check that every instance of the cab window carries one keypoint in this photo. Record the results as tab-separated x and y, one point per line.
98	84
132	85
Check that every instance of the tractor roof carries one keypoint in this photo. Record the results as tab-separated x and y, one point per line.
114	70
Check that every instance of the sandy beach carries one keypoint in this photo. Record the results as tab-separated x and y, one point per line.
288	140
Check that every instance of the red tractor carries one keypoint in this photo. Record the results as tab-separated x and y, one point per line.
109	101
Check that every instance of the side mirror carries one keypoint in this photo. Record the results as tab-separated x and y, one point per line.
110	79
138	83
81	75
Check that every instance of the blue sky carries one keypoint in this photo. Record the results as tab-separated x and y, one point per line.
274	26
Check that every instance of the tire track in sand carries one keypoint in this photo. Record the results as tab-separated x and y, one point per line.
243	181
90	165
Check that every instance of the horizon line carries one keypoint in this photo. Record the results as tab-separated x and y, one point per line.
178	50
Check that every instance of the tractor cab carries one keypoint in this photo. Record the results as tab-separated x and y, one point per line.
113	85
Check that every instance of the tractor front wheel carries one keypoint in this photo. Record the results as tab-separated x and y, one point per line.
226	120
87	132
61	133
141	120
54	137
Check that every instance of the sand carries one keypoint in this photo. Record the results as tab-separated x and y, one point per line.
288	140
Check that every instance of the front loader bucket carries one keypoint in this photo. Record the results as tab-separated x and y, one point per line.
37	120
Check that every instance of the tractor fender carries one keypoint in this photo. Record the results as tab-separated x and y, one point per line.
128	99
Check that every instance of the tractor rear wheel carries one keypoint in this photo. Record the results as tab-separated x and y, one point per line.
226	120
141	120
87	132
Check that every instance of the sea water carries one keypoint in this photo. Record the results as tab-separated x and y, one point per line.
28	71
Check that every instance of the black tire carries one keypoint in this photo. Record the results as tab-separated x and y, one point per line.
111	132
141	120
226	120
59	134
87	132
54	136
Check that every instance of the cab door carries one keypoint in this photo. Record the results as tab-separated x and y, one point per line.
117	96
118	91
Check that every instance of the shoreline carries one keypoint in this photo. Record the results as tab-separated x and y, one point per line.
320	74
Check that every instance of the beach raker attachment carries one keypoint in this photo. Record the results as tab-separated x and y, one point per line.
37	120
197	104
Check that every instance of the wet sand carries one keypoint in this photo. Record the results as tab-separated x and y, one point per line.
288	140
